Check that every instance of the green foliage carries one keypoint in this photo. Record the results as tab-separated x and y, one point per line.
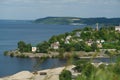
43	47
87	29
80	65
5	53
88	69
117	68
11	55
103	72
102	66
65	75
23	47
61	53
94	47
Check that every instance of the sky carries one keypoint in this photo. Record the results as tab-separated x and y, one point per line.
34	9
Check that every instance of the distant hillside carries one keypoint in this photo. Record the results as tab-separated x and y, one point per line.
78	21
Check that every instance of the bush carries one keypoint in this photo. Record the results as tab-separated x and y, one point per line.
117	68
80	65
11	55
89	69
5	53
65	75
102	66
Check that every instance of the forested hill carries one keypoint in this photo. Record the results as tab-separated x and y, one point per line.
78	21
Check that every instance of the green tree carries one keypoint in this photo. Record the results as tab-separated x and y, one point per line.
94	46
43	47
65	75
28	48
53	39
21	46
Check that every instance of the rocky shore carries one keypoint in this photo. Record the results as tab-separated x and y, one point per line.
48	74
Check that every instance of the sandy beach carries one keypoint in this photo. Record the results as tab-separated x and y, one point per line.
48	74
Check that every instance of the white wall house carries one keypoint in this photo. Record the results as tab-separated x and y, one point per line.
55	45
34	49
68	37
117	28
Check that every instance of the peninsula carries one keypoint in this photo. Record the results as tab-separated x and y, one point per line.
81	43
78	21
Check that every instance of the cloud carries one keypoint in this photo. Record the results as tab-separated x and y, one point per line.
26	9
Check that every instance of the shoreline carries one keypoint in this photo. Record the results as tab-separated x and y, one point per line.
78	54
47	74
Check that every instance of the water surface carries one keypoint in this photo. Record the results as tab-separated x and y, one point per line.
13	31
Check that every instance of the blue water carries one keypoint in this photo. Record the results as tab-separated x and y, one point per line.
13	31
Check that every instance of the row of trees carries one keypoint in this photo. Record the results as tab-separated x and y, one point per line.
23	47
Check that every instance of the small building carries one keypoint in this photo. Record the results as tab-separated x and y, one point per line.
78	34
89	43
98	41
67	42
99	45
117	28
68	37
102	41
34	49
55	45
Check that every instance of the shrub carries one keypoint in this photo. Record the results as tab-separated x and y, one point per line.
117	68
65	75
11	55
5	53
88	69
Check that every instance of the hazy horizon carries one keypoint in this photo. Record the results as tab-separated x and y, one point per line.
34	9
54	16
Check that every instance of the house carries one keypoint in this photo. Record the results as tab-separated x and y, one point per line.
55	45
67	42
99	45
98	41
34	49
68	37
89	43
102	41
78	34
117	28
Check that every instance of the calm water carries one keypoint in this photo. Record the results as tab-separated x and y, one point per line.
13	31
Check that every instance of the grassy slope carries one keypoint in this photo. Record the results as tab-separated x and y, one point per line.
70	20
